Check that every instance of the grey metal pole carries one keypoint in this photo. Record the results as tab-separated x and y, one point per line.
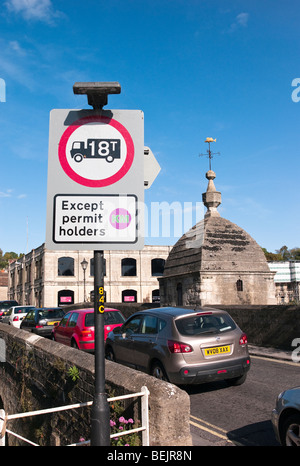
100	428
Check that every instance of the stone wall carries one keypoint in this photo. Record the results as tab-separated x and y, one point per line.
36	376
268	326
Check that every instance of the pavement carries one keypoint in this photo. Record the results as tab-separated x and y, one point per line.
271	353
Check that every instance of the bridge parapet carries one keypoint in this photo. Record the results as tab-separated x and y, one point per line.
35	375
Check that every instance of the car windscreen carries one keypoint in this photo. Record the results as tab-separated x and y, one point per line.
206	323
51	313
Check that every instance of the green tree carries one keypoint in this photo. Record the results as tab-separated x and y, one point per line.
270	256
7	257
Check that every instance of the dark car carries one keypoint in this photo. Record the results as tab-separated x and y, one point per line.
286	417
41	321
5	305
182	346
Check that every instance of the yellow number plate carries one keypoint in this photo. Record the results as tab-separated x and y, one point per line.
217	350
52	322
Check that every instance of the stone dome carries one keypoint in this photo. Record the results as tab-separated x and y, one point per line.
215	244
216	262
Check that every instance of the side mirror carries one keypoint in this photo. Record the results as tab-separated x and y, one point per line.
117	330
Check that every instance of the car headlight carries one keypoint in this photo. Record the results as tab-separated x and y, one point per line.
280	396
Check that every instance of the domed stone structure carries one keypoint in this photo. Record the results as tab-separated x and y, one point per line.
216	262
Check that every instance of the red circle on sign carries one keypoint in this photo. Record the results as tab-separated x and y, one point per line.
86	181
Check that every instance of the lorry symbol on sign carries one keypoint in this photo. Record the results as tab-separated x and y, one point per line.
108	149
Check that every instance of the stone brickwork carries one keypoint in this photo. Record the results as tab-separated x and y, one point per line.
36	376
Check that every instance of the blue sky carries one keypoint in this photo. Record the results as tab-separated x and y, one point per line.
196	68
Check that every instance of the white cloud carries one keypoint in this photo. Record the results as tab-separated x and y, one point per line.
241	21
41	10
15	46
10	193
5	194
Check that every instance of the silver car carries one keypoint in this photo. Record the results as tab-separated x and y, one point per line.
286	417
182	346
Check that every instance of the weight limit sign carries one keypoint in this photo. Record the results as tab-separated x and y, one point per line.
96	151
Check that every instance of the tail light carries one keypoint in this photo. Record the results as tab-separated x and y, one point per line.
243	339
15	319
177	347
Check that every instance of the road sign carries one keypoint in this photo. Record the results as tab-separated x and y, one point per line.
95	180
151	167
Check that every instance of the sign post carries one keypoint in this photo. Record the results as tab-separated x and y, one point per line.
100	428
95	201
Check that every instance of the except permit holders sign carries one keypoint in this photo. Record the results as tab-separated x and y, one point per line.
95	190
94	218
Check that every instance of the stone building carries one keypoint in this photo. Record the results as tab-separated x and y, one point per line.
3	285
216	262
287	281
53	278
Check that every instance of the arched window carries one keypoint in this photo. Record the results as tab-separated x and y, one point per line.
155	296
129	296
128	267
66	267
92	272
157	267
65	297
239	285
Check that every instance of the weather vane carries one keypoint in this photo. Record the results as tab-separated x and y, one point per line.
209	152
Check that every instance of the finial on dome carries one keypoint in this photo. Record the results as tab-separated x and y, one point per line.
211	198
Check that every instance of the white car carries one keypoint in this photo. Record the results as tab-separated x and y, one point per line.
15	314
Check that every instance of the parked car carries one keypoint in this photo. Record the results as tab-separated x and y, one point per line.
77	327
15	314
286	417
182	346
5	305
42	320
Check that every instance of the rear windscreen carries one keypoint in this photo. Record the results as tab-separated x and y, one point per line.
113	317
51	313
201	324
110	318
22	310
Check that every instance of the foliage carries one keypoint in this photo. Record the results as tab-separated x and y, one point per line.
283	254
73	372
119	424
8	257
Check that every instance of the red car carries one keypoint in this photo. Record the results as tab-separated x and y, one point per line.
76	328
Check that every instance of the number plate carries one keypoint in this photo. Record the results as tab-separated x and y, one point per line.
217	350
52	322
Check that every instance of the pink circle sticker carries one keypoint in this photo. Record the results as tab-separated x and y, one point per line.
120	218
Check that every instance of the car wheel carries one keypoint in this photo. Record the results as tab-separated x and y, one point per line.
74	344
109	354
237	380
290	433
158	371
